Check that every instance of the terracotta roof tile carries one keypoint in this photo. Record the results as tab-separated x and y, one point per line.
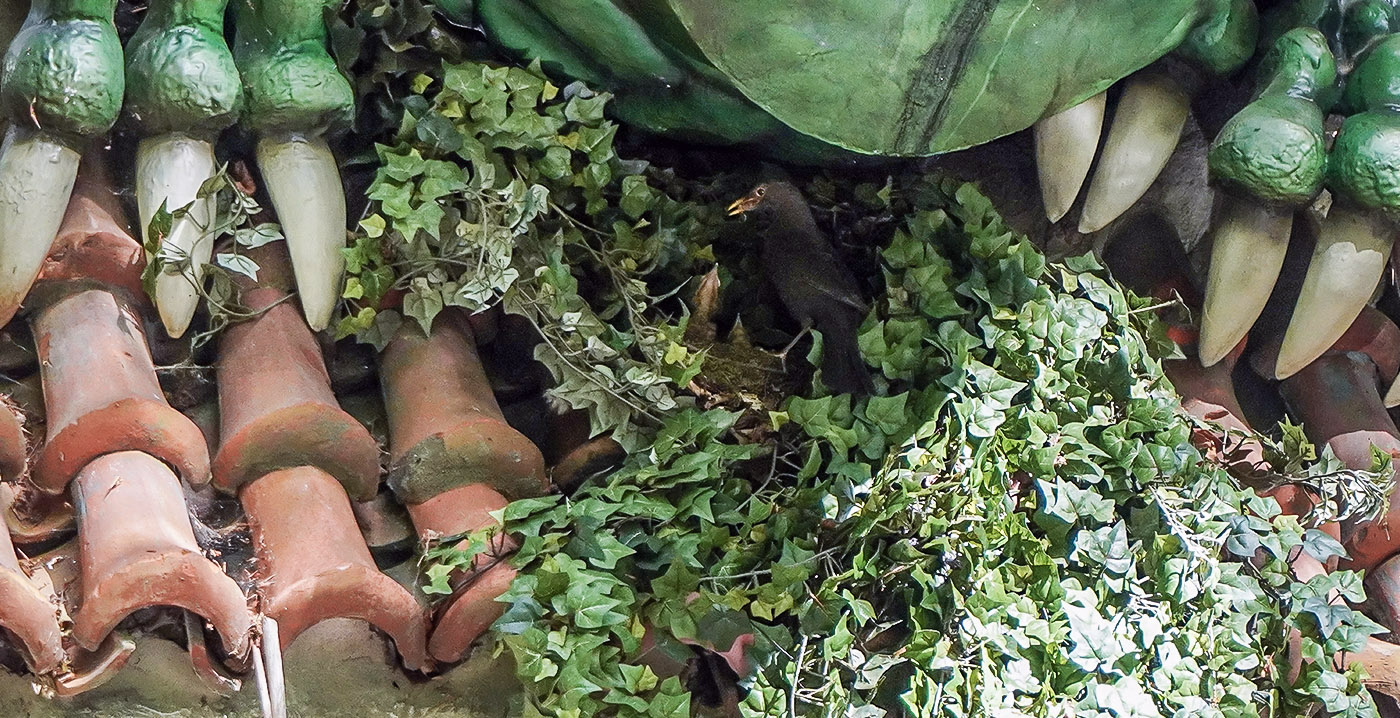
313	563
113	440
276	406
137	549
28	613
101	393
446	429
94	245
88	670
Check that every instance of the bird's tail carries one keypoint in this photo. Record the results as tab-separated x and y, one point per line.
843	368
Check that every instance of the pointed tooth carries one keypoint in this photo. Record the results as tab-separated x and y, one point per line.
304	183
170	169
1353	247
1392	396
1248	245
1146	128
1065	144
36	181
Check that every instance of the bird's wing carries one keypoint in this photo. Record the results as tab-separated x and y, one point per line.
837	280
843	291
821	271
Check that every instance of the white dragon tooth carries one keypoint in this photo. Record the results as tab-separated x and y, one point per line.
304	183
1353	247
36	181
1145	131
1249	241
170	170
1065	144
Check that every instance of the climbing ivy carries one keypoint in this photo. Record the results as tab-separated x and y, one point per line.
1016	525
235	217
501	188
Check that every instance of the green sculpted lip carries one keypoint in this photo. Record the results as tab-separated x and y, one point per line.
1268	160
63	71
295	93
62	85
290	81
180	75
182	90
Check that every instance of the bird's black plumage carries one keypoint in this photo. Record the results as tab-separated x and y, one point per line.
814	284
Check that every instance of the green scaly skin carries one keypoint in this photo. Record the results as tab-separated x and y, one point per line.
1273	150
1365	163
1225	42
63	71
1364	166
1365	22
290	81
179	71
1355	240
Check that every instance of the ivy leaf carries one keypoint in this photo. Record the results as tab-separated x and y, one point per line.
422	304
237	263
257	236
893	535
1321	546
888	414
637	197
1095	642
1327	615
676	583
438	575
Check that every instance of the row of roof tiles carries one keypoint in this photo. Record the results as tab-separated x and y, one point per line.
138	481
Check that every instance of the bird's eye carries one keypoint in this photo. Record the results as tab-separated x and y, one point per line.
759	192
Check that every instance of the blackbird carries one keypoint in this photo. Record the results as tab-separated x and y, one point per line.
814	285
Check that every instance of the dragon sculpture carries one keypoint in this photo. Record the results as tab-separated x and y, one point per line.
1106	88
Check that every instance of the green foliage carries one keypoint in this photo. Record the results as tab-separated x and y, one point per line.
234	217
580	609
381	45
1338	494
1017	526
443	559
503	188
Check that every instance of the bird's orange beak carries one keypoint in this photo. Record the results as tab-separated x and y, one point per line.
743	204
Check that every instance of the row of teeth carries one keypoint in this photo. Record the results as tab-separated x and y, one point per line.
1249	239
303	182
301	175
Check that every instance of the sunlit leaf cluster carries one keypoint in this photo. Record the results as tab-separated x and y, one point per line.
501	188
236	218
1018	525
